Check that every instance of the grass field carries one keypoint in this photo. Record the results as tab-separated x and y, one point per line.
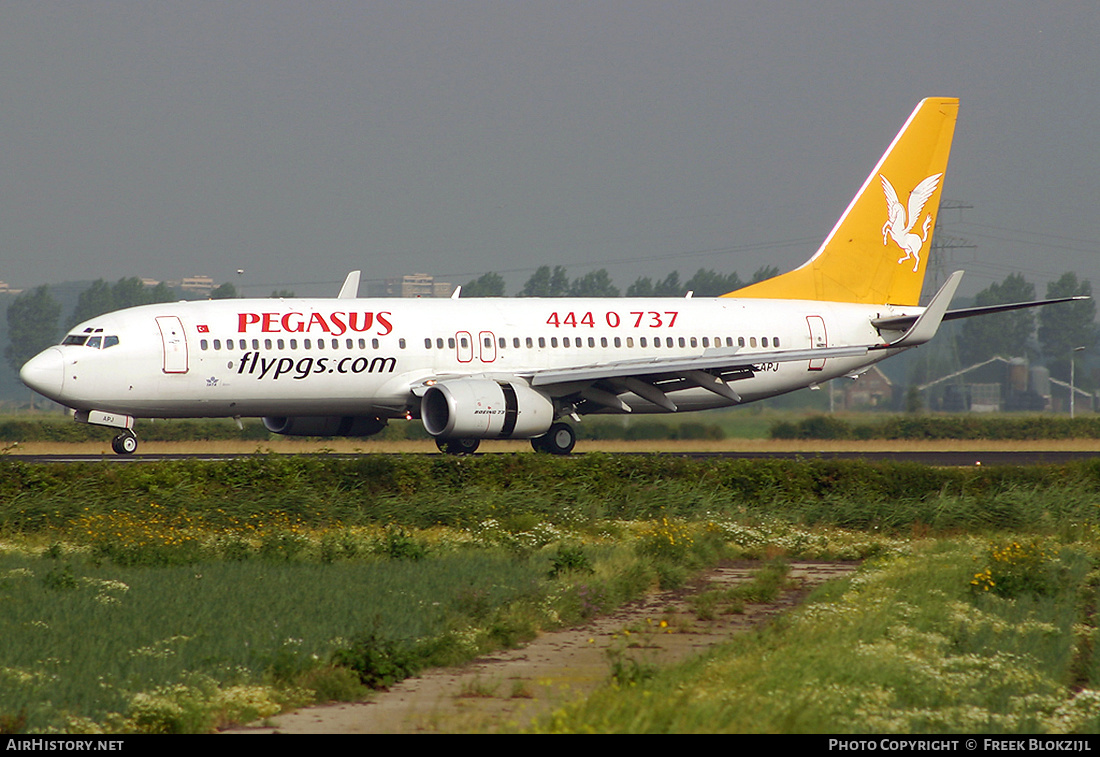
180	597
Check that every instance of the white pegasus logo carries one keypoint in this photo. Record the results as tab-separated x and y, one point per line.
900	226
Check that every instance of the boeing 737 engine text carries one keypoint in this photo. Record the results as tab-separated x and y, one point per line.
473	369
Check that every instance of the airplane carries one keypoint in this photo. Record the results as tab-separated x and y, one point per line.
515	368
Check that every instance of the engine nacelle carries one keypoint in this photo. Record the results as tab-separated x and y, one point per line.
485	409
325	425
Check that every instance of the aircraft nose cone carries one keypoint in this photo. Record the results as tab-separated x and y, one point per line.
45	373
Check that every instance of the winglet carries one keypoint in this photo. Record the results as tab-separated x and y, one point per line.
350	289
929	322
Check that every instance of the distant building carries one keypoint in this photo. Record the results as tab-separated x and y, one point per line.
870	389
200	285
411	285
5	289
1004	385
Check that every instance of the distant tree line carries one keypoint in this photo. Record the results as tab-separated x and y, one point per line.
1048	334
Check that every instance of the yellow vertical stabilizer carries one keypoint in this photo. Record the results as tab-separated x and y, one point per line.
877	252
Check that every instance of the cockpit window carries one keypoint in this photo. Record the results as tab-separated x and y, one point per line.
95	342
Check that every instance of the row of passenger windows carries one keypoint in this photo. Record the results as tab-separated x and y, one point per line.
463	342
282	344
617	342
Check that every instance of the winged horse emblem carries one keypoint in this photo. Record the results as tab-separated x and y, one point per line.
902	219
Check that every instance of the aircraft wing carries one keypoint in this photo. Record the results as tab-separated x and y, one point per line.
713	360
653	378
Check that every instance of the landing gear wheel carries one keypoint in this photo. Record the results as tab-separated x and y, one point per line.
559	440
458	446
124	444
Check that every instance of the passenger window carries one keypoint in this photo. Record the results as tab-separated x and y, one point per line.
203	344
764	342
542	342
427	344
451	343
775	341
439	343
217	344
752	341
401	343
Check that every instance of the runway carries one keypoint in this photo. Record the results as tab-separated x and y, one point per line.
942	458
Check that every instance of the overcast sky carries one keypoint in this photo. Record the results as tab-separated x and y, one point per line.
300	140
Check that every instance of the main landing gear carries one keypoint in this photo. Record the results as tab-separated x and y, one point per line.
457	446
559	440
125	443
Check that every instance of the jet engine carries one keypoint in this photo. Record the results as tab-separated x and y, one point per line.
325	425
485	409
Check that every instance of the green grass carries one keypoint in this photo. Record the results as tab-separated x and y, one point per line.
906	647
84	639
177	597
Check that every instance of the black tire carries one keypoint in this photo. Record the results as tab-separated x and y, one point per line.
559	440
458	446
124	444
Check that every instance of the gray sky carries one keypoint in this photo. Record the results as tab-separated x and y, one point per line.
299	140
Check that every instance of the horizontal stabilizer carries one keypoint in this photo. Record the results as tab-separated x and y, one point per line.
902	322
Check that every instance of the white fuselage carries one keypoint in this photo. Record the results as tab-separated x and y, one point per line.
267	357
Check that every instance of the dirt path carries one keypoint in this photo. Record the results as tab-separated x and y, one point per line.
508	690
